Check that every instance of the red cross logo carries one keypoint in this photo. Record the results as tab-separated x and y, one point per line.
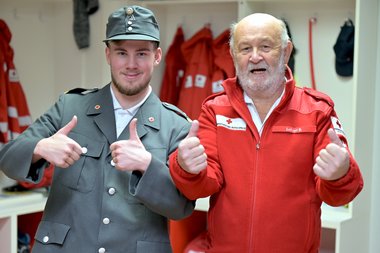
229	121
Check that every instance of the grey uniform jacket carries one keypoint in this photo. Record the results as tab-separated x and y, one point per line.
93	207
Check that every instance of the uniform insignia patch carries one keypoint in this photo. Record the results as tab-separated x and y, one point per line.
337	126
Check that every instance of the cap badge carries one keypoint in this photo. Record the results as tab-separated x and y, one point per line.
130	17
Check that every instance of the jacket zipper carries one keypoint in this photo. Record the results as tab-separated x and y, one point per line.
251	246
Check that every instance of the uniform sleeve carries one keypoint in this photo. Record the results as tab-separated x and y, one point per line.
343	190
23	147
210	180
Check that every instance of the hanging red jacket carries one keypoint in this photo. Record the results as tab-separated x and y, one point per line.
196	85
174	70
13	101
223	64
3	92
14	111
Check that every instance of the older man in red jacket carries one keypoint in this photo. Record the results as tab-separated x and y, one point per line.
267	152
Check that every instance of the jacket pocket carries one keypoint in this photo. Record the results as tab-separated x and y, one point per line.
51	233
82	175
153	247
314	229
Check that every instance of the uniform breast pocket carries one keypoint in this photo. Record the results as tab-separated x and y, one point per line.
82	175
295	138
294	129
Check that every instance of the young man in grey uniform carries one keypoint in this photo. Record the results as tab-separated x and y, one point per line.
111	191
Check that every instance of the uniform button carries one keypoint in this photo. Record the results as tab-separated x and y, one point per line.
101	250
129	11
45	239
106	221
111	191
84	150
112	163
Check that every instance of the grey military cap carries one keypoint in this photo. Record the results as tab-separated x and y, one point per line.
132	23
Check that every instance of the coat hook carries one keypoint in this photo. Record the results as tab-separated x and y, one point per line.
313	20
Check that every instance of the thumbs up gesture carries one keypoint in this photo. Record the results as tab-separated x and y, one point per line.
191	153
130	155
333	162
59	149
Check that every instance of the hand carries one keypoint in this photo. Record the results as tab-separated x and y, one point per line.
59	149
130	155
333	162
191	153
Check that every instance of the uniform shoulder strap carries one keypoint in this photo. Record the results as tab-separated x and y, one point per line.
319	95
81	91
176	110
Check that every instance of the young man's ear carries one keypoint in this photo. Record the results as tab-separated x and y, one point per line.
107	51
157	56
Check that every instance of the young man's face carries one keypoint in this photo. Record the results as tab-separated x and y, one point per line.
132	63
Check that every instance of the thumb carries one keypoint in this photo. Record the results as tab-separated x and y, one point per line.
133	130
69	126
194	129
334	137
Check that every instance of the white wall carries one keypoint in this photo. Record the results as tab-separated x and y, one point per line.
46	56
330	17
375	217
31	25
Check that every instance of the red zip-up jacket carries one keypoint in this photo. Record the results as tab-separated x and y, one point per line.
175	66
223	63
265	197
196	86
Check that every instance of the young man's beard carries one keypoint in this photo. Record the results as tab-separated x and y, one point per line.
269	84
129	91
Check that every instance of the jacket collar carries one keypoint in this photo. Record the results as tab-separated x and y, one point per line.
101	108
235	93
148	117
